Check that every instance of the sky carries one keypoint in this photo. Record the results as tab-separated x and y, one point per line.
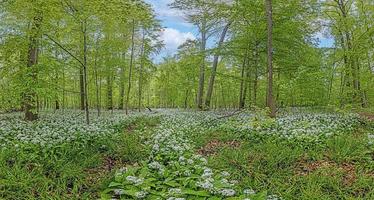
177	30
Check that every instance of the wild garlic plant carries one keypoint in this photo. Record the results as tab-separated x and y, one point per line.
54	128
174	171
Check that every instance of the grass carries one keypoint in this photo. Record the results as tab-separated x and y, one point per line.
340	168
70	171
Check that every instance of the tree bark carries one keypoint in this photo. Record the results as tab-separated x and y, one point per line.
246	84
30	96
255	81
200	91
122	85
81	87
214	67
141	74
270	99
242	81
131	66
109	91
97	84
84	32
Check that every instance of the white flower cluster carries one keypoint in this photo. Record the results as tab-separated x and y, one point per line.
59	127
173	159
371	139
134	180
307	126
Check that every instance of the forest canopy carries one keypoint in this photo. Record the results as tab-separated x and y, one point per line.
101	55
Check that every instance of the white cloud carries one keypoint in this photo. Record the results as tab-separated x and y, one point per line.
173	38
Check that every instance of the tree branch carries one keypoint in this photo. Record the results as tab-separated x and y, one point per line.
66	50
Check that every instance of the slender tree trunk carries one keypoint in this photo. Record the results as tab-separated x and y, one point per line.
30	96
63	88
186	98
278	88
57	103
200	91
131	66
214	67
255	82
223	96
84	31
270	98
246	84
81	87
242	81
109	91
141	74
97	84
122	85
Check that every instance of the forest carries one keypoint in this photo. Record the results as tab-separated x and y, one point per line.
187	99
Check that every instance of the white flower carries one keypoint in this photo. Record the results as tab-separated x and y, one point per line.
206	185
119	192
175	191
134	180
273	197
141	194
227	192
203	160
225	174
248	191
207	173
155	165
371	139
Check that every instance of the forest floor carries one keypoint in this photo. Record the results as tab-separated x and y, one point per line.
175	155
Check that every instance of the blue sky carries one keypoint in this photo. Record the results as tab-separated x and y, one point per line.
177	30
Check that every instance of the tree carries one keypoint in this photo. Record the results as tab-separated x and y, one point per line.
214	67
270	99
33	52
201	14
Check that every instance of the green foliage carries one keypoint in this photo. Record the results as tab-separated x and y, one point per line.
339	169
75	170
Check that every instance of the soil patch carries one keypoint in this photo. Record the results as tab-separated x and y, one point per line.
212	147
304	168
369	116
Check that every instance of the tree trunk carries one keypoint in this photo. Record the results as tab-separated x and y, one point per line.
81	87
30	97
109	91
255	82
242	81
186	99
200	91
141	74
122	85
246	84
84	31
131	65
63	88
97	84
270	99
214	67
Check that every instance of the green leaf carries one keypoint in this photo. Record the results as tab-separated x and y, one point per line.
196	193
115	184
